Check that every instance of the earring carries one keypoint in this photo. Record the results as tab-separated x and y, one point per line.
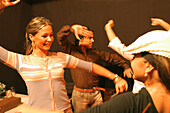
146	74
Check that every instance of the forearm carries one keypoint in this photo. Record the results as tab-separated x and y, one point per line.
3	54
8	58
64	32
62	37
99	70
165	25
92	67
161	22
110	33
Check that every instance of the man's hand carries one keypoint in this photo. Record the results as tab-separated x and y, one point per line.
81	30
128	72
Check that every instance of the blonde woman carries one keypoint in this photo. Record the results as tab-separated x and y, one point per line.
43	71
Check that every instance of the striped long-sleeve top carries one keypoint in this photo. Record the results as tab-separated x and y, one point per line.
44	77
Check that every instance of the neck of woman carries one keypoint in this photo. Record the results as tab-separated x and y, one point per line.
41	54
153	81
160	96
155	88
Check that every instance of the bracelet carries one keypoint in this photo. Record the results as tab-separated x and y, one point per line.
116	79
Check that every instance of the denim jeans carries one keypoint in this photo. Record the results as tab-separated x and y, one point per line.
83	100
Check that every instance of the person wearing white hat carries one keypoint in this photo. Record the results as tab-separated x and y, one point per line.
150	61
116	44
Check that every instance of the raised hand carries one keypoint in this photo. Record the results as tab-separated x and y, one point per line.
110	24
81	30
156	21
6	3
161	22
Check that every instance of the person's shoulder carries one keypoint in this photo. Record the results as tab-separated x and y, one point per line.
94	49
140	95
127	97
142	91
143	94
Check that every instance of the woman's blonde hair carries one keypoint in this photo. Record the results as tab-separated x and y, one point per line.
32	28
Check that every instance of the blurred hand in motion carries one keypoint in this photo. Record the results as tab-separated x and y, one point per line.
6	3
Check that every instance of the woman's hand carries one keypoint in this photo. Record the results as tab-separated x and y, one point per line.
156	21
110	24
6	3
121	85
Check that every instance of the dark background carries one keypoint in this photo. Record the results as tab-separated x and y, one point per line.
132	19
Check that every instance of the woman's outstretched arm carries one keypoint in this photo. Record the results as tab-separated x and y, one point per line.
120	84
109	31
158	21
73	62
115	42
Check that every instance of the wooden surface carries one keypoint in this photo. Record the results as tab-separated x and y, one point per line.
9	103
